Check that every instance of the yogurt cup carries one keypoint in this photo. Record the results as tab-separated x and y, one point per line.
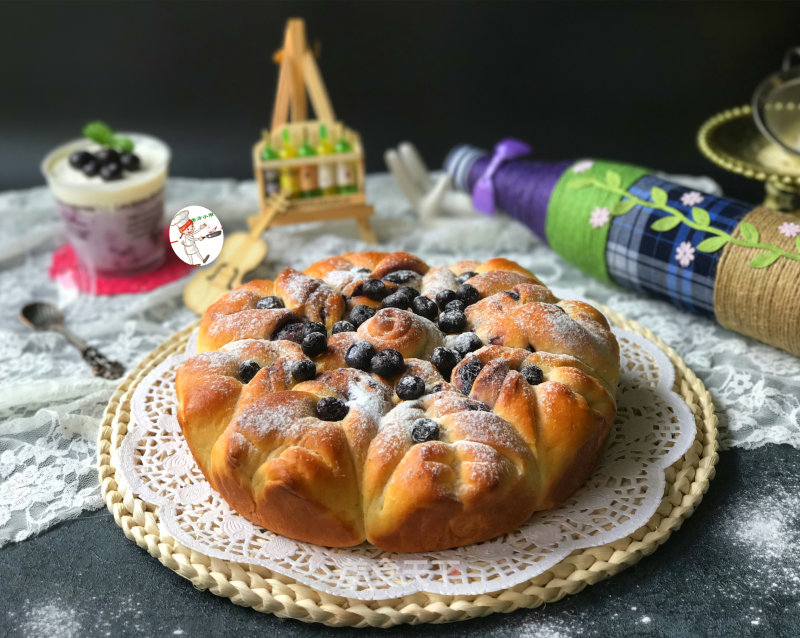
115	227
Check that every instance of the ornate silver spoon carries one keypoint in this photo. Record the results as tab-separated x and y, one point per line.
41	315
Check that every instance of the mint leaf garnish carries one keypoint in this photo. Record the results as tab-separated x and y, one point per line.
99	132
124	144
102	133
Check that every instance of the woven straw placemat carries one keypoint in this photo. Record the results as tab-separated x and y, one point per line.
267	591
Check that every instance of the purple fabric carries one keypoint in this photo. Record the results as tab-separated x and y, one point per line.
522	188
506	150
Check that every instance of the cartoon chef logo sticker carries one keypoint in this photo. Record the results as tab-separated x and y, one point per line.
195	235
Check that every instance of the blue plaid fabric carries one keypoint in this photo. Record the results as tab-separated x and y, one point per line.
644	259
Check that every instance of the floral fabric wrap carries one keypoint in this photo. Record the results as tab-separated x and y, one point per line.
620	223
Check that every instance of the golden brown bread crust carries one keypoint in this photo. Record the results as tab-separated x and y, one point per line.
234	316
282	467
347	272
475	482
565	420
208	387
507	444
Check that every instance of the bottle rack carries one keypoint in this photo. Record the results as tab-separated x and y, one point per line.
298	80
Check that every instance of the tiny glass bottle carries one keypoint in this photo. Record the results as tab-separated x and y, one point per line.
309	184
345	173
327	170
272	183
288	175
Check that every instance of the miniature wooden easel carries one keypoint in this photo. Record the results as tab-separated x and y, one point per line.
299	79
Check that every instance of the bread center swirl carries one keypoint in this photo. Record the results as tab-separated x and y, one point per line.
409	334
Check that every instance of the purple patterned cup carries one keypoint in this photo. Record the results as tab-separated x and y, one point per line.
115	227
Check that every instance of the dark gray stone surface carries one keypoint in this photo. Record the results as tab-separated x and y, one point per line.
732	570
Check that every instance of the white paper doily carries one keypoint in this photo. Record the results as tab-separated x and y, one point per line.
654	428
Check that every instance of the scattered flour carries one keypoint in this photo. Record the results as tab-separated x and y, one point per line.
767	528
55	618
107	615
51	619
549	629
765	532
765	542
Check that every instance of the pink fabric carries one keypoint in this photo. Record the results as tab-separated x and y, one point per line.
66	270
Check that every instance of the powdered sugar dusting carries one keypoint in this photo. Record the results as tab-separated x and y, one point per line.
483	462
394	428
339	279
437	279
488	428
296	285
283	419
237	348
250	322
242	295
403	413
218	361
369	401
300	289
238	439
574	333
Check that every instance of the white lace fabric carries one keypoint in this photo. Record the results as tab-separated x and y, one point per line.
654	428
50	404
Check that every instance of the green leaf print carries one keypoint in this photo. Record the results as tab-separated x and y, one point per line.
749	232
665	223
659	196
764	259
712	244
701	217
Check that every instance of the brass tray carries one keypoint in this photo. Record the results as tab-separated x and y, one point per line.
732	140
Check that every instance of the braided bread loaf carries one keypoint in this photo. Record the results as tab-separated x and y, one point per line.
373	397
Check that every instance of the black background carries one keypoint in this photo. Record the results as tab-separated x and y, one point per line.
625	81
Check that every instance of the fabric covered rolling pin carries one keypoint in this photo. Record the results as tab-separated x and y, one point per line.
714	256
